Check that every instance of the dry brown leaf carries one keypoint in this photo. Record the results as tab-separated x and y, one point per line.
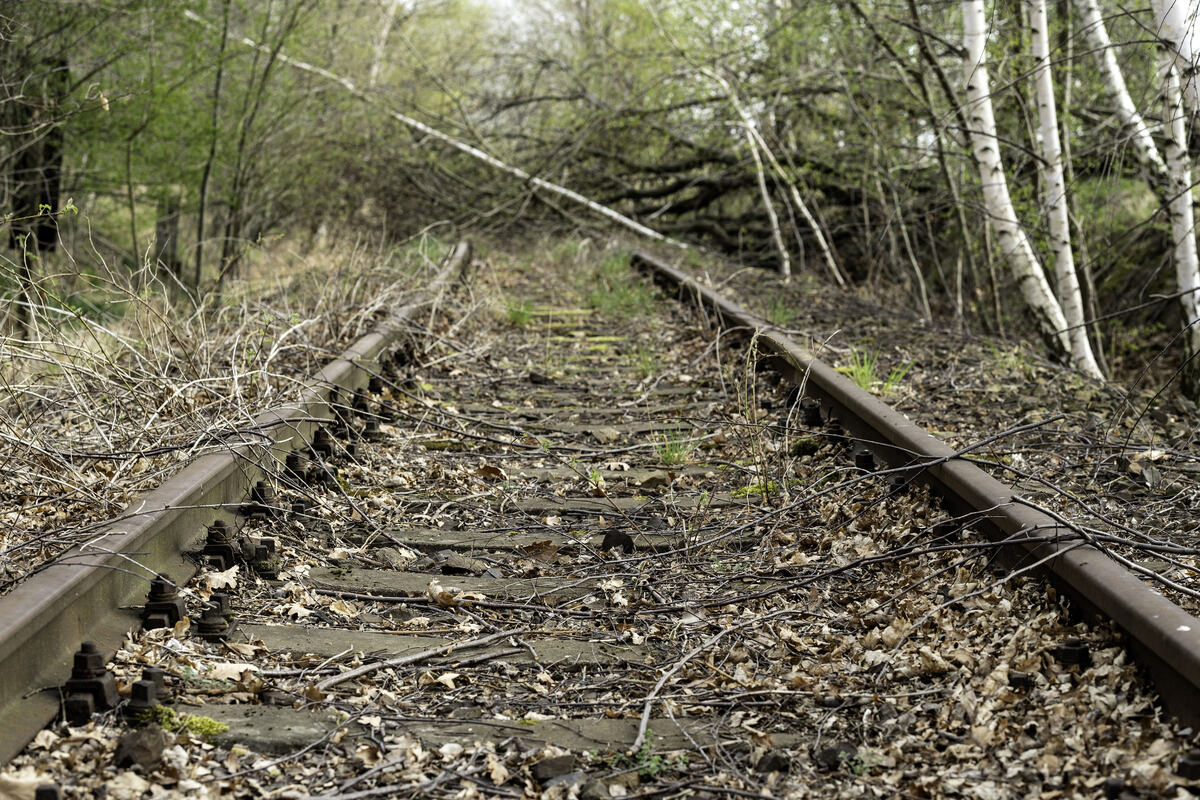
214	581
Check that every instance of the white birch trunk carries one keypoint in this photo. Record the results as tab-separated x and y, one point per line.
1013	243
1175	24
390	7
1187	264
785	261
1144	148
1051	168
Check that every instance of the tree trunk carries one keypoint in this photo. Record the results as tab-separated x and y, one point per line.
1055	187
1175	24
166	236
985	147
1187	270
1144	148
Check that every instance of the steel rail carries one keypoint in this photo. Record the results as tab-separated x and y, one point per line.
1163	637
91	592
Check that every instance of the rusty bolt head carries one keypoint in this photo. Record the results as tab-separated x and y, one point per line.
143	697
864	459
89	661
375	385
219	533
810	413
1188	767
212	627
157	676
161	588
1073	652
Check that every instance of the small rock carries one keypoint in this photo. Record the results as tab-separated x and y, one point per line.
553	767
655	480
833	756
594	790
617	539
567	781
773	761
606	435
143	747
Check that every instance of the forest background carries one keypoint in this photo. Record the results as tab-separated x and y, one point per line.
982	164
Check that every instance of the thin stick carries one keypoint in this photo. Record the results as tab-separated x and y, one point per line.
413	658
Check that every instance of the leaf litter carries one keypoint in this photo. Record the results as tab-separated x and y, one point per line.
824	637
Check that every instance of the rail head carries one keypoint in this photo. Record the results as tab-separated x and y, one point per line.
1164	637
88	591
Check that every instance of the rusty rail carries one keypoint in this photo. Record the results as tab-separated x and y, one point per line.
89	593
1162	636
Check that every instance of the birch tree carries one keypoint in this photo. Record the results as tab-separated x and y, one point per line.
1171	179
985	148
1175	24
1051	168
1183	235
1144	148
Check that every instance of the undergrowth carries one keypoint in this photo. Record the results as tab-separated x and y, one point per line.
120	375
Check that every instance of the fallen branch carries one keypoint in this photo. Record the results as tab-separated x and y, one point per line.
413	658
457	144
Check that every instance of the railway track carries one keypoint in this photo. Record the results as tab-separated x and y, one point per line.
558	549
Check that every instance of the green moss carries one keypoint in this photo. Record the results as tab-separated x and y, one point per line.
760	489
806	446
167	719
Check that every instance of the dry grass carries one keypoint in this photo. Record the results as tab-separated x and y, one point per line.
119	383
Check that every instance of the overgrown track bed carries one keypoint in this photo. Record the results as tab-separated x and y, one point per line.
589	550
1165	637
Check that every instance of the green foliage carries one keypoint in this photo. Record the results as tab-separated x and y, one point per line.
675	447
780	312
614	289
758	489
862	370
647	361
519	312
646	760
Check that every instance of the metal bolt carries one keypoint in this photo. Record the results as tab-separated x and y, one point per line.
218	546
864	459
47	791
294	465
322	443
91	687
264	501
157	676
212	626
1189	765
371	430
164	606
375	385
810	413
361	405
1073	652
261	555
1020	680
143	698
220	600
